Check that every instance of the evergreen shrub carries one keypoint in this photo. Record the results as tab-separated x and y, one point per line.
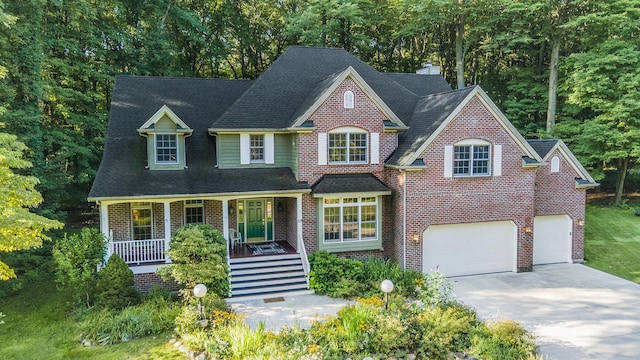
115	286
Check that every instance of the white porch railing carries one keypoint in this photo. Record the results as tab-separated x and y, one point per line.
303	256
140	251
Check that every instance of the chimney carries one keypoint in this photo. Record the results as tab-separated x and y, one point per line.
429	69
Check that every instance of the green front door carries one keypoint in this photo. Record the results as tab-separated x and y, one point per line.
255	220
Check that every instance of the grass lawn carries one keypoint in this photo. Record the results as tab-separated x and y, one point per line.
612	241
36	327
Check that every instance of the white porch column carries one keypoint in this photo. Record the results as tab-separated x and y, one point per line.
301	248
299	217
225	219
104	229
167	229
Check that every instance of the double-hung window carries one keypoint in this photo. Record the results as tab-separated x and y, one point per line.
166	149
471	160
256	148
348	147
350	219
193	212
141	220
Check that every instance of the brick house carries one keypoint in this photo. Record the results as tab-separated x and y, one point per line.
323	152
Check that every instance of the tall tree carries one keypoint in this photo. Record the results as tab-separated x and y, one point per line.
604	81
19	228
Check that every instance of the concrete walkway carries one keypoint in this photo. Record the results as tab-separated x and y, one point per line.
299	310
575	312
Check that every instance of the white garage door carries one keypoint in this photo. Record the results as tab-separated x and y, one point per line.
473	248
551	239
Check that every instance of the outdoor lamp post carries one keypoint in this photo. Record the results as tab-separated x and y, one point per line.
386	286
200	291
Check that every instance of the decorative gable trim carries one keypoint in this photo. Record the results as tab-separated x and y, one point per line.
497	114
350	72
181	127
562	148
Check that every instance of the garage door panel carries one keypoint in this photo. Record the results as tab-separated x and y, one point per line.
551	239
472	248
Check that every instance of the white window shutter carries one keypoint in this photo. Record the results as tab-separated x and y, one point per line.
497	160
245	153
268	149
375	148
448	161
322	148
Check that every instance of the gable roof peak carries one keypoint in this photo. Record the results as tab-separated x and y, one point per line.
148	126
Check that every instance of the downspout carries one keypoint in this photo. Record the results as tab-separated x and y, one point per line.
404	219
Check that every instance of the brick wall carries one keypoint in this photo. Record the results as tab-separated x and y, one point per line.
120	221
556	195
329	116
144	282
433	199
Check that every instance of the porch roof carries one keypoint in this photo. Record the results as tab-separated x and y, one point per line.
351	183
195	181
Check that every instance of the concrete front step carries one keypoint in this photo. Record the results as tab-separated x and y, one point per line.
263	296
269	289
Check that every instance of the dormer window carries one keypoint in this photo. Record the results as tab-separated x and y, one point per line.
165	133
348	100
166	149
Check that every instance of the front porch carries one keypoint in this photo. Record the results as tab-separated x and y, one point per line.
140	231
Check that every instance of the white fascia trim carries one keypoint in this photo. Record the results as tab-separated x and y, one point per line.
220	196
406	168
573	161
358	194
353	74
165	110
506	124
254	131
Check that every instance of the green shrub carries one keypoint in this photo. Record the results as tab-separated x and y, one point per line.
77	259
637	211
503	340
327	270
375	270
443	329
115	286
199	255
435	290
107	326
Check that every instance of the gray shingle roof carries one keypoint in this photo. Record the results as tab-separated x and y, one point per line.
135	99
421	85
352	183
430	112
543	146
281	92
273	101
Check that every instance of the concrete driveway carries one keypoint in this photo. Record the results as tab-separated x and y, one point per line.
575	312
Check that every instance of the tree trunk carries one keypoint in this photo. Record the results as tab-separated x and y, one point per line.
553	85
623	166
460	51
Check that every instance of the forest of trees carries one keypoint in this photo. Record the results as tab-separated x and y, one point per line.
557	68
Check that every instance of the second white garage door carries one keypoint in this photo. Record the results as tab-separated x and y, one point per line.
551	239
472	248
